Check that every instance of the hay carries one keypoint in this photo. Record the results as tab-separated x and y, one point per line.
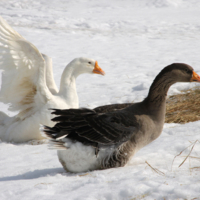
183	108
155	170
193	144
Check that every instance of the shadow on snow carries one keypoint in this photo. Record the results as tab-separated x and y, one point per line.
34	174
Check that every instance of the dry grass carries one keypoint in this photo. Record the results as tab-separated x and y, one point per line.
155	170
192	144
184	108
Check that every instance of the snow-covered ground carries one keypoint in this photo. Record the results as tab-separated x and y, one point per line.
132	41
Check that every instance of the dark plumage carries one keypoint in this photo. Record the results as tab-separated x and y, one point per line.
112	107
116	132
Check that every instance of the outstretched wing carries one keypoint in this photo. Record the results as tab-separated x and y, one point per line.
89	127
23	78
49	75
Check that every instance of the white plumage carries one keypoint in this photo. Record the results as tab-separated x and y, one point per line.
77	157
28	86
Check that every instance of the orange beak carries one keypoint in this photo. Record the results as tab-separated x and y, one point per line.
97	69
195	77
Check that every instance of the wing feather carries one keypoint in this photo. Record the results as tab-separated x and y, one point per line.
49	75
112	107
23	74
91	127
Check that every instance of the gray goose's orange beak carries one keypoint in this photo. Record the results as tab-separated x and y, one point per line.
195	77
97	69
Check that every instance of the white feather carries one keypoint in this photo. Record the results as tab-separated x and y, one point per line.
28	86
77	157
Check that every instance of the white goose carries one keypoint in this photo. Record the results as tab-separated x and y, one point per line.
28	86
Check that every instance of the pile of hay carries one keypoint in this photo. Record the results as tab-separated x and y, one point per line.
183	108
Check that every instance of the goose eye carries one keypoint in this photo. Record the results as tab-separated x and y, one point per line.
89	63
187	70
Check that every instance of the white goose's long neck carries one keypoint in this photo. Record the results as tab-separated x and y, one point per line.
68	87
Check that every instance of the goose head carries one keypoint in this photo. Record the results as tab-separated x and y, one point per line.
179	72
75	68
176	72
184	73
85	65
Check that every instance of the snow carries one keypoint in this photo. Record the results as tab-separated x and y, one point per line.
132	41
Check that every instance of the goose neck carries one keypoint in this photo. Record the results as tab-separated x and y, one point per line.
156	99
68	83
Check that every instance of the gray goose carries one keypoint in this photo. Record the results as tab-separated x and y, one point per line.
90	139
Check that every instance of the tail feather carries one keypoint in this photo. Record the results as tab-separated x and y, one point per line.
55	141
50	132
59	145
71	124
